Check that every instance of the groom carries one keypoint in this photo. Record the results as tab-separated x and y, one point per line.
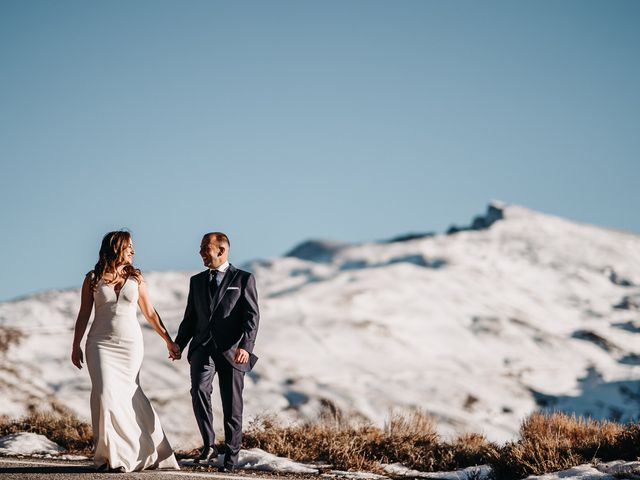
221	321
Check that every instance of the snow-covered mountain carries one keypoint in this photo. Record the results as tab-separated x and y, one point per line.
479	326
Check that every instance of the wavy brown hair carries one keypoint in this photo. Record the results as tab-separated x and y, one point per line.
111	257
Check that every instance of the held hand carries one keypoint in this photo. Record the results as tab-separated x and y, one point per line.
242	356
77	357
175	352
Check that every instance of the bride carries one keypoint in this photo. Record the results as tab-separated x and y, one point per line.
127	434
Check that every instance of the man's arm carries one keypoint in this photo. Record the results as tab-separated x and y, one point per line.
250	315
188	324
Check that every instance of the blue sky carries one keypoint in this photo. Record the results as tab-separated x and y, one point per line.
281	121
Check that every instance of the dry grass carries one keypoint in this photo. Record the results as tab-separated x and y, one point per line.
9	336
328	440
61	426
548	442
409	439
557	441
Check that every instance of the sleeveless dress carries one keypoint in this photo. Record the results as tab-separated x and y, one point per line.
126	429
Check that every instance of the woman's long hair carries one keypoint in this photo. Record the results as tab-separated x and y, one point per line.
111	257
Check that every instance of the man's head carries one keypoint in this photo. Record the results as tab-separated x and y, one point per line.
214	249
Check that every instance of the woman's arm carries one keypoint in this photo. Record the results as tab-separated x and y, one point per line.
144	302
86	304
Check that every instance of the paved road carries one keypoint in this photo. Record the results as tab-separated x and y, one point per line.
46	469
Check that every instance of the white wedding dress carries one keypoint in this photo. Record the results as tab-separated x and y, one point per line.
126	429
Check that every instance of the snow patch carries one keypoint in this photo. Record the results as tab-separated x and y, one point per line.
258	459
353	475
480	472
614	470
25	443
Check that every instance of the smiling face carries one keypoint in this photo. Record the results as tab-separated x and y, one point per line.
128	253
115	258
213	252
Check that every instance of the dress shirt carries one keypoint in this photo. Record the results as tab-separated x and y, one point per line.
222	269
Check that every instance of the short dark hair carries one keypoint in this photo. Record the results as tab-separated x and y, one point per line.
218	237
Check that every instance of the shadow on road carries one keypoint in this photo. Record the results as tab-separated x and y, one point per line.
43	470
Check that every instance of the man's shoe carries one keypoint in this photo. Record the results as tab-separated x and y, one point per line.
227	469
207	454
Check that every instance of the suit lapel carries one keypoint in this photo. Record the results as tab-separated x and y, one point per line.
204	292
222	289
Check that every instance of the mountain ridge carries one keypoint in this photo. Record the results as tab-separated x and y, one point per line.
479	327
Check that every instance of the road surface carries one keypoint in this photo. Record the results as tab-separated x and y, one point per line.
12	468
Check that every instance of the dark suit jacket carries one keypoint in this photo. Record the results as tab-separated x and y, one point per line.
232	323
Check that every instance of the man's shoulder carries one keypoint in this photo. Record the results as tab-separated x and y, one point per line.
199	274
242	273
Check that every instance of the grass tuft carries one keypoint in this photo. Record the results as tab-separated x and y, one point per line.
9	336
409	439
556	441
60	426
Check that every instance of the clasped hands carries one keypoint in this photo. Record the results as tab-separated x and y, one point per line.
175	353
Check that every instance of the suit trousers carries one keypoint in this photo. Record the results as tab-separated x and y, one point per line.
205	363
